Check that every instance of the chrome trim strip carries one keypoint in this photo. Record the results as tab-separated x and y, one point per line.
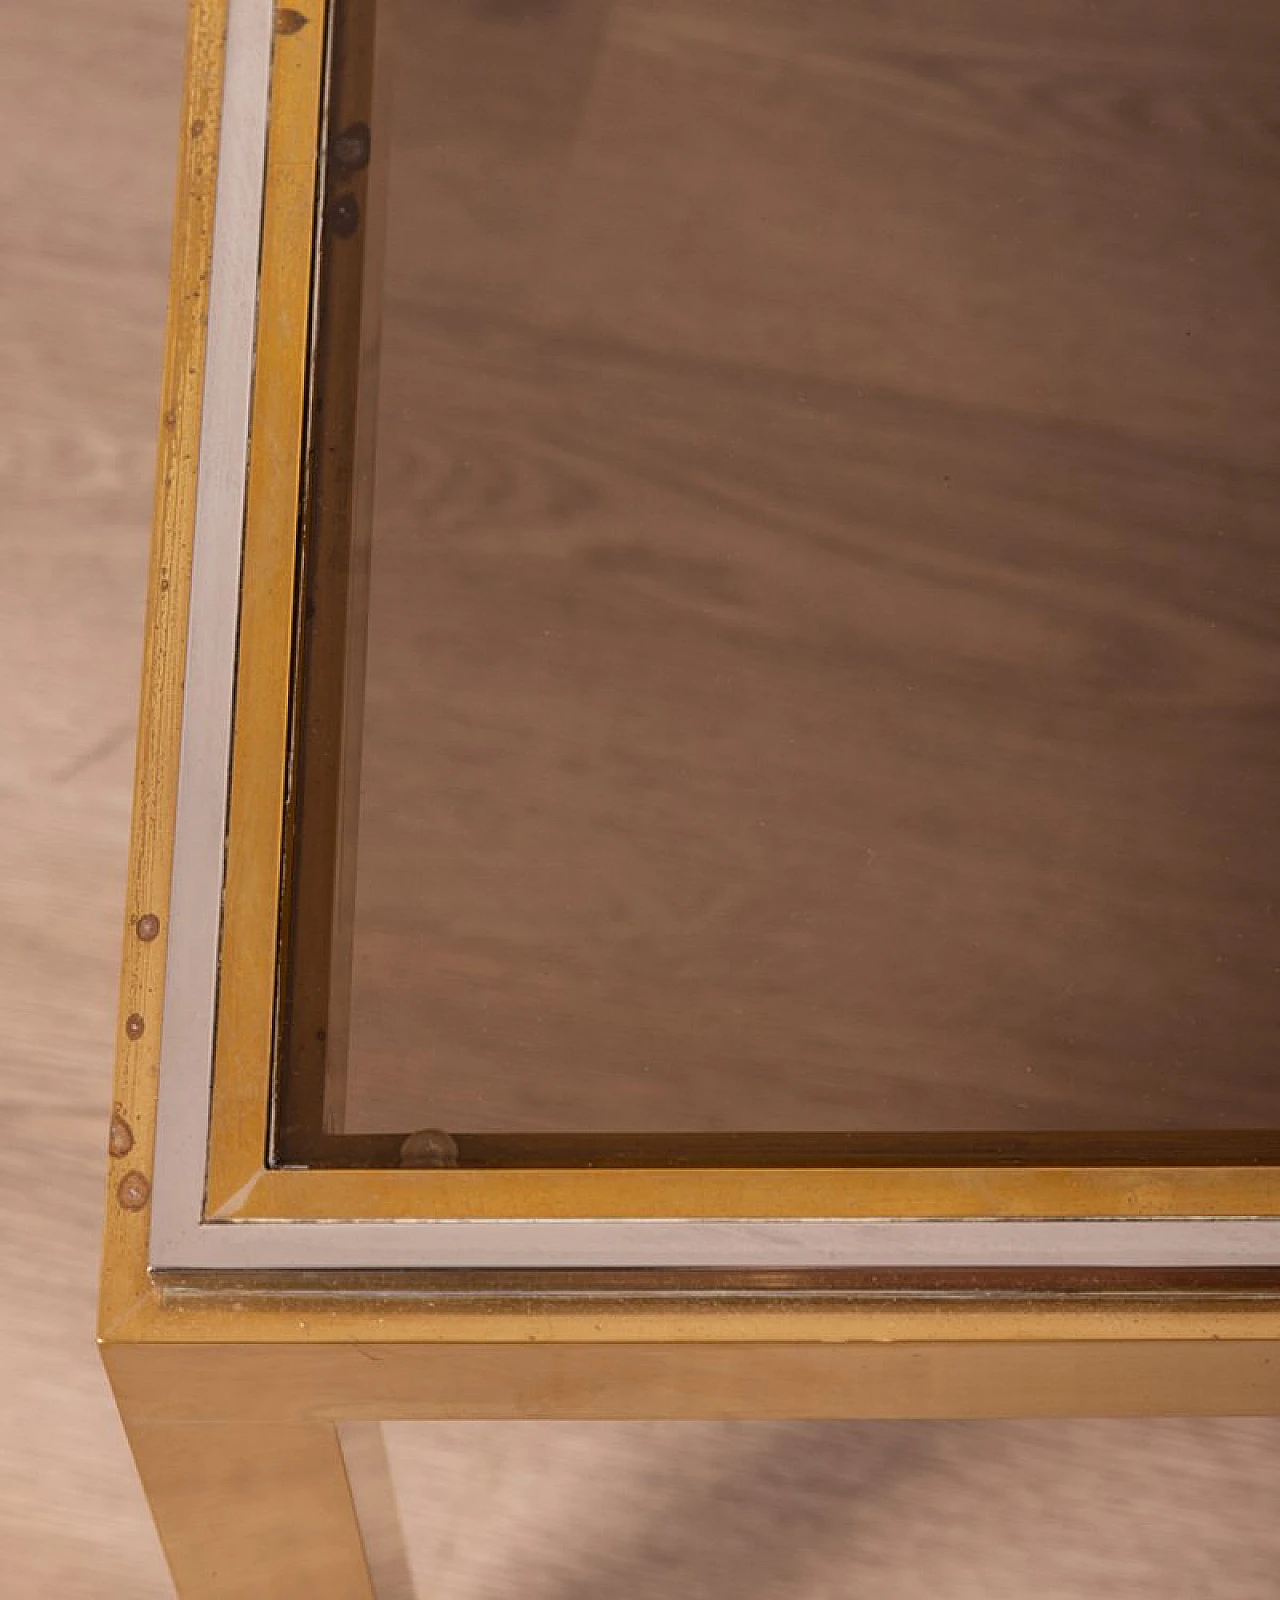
756	1243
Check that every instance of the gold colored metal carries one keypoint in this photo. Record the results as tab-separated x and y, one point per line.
124	1268
238	1132
252	1509
231	1387
239	1185
793	1376
275	1308
717	1192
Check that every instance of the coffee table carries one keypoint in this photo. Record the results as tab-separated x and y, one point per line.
704	837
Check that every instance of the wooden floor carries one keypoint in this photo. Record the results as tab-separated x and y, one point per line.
823	668
1156	1511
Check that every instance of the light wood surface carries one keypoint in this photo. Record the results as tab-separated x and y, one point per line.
88	110
822	660
1067	1511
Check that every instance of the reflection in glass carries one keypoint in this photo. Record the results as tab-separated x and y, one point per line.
821	645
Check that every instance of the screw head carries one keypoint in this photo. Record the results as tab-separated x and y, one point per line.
147	927
134	1025
120	1138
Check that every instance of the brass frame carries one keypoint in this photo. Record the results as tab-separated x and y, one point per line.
233	1381
942	1177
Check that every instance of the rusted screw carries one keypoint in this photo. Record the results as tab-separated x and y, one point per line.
148	927
120	1139
133	1191
134	1025
429	1147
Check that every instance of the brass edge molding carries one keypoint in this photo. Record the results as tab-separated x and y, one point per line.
131	1140
271	1312
886	1376
246	1010
909	1192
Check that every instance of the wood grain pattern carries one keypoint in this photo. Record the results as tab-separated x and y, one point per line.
89	114
822	656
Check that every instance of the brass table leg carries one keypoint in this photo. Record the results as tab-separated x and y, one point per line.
248	1509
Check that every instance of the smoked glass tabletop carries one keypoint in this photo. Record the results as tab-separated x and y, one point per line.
806	659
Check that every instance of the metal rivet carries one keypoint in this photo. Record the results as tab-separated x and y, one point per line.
134	1025
120	1138
148	926
133	1191
429	1147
